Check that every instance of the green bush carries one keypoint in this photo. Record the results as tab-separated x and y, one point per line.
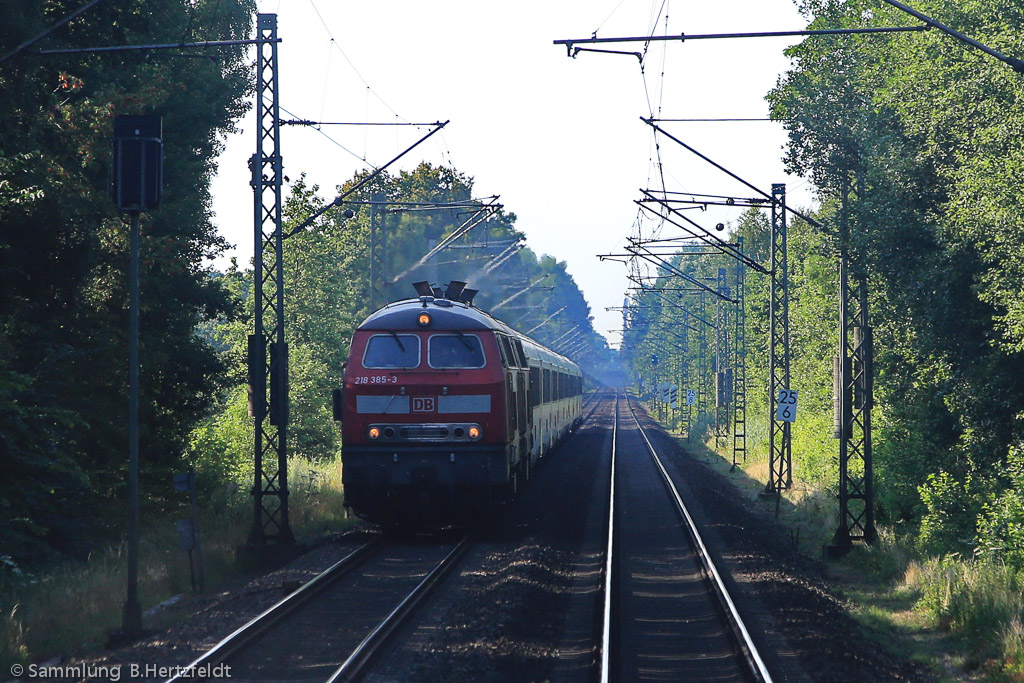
948	525
1001	524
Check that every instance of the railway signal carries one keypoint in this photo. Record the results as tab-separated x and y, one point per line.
135	186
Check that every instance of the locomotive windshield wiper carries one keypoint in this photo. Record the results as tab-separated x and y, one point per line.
464	340
398	341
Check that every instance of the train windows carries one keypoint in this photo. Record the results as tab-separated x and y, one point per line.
392	351
455	351
535	386
518	361
547	386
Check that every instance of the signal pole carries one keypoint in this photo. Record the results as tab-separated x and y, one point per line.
137	174
780	470
268	352
853	394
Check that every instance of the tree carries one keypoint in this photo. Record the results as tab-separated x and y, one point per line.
914	134
63	256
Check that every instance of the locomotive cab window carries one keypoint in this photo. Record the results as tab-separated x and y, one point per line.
392	351
518	345
507	359
514	356
455	351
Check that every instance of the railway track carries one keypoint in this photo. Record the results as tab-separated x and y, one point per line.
667	613
331	628
375	589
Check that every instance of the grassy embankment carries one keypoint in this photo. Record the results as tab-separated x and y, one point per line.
68	610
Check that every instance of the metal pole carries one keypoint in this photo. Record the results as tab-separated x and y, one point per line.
780	471
723	376
853	392
132	610
739	378
682	37
1017	64
687	412
268	353
842	419
702	357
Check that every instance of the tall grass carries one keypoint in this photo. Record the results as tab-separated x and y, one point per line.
979	600
69	609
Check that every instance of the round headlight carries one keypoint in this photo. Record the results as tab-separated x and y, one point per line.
423	319
474	432
374	433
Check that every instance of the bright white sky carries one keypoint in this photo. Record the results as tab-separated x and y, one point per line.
559	139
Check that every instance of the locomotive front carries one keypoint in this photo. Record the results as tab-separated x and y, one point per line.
423	413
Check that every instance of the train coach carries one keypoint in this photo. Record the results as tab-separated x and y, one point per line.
445	410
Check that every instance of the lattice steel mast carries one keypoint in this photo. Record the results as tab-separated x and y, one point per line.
268	352
853	396
684	373
723	360
780	472
739	377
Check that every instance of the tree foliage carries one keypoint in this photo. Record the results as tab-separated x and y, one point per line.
928	129
64	256
913	142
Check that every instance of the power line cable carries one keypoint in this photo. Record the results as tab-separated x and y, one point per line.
319	130
601	25
32	41
335	44
441	141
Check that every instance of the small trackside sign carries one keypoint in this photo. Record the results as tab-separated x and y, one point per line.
785	409
424	404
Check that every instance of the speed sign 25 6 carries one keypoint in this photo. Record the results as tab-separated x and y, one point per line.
785	409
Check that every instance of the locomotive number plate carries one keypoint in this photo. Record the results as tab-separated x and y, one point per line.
377	379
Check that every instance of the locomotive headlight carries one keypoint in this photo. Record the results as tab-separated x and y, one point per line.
374	433
423	319
474	432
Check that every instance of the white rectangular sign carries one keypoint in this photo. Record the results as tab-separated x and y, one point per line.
691	397
785	409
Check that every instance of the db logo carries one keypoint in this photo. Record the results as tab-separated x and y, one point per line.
424	404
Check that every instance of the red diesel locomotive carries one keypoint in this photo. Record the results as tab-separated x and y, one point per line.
445	409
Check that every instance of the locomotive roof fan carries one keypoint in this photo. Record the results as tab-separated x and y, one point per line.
454	290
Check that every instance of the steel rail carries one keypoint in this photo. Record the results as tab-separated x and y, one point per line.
606	635
751	656
268	618
356	664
